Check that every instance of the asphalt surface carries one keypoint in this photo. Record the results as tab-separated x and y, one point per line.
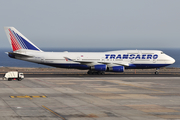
90	98
74	73
106	75
59	72
35	75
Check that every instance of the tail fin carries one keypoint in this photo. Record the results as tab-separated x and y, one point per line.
19	41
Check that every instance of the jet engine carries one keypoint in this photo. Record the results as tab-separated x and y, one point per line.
116	69
100	67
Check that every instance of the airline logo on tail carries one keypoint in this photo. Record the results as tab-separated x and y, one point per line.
18	41
14	42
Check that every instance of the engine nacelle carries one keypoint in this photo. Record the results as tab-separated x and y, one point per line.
116	68
99	67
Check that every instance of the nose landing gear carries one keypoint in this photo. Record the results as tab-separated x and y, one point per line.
157	71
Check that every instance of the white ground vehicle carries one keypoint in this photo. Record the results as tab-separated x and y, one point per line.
13	75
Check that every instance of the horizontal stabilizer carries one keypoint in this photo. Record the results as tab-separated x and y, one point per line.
18	55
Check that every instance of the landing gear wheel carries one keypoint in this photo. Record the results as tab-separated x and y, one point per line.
101	73
156	73
89	72
95	72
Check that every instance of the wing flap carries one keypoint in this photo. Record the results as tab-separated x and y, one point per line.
114	63
82	62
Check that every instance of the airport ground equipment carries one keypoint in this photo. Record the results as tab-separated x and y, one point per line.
13	75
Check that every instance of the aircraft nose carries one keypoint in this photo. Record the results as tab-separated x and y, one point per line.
172	60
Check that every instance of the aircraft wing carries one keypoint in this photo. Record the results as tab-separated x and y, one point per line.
115	63
89	62
79	61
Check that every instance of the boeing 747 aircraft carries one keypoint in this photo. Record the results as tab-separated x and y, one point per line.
94	62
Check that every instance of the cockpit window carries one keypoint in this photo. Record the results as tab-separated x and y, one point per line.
162	53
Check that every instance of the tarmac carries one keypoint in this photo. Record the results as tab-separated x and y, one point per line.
84	97
60	72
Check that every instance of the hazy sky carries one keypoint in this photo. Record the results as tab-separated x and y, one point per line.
93	23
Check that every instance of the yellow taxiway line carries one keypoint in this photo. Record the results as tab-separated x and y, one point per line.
27	96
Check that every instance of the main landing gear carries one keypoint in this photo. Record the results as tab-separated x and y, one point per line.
95	72
157	71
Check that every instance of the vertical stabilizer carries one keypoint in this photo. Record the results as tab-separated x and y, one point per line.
19	41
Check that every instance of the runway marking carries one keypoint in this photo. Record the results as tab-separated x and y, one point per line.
53	112
26	96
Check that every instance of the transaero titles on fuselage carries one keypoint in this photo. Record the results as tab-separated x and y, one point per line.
131	56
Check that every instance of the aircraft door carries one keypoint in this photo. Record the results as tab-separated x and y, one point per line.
102	59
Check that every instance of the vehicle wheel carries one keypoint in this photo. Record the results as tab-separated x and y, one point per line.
9	79
19	79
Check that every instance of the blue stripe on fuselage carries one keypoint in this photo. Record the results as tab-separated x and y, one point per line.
145	66
70	66
85	67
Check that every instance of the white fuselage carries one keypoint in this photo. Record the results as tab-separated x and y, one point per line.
96	62
129	58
